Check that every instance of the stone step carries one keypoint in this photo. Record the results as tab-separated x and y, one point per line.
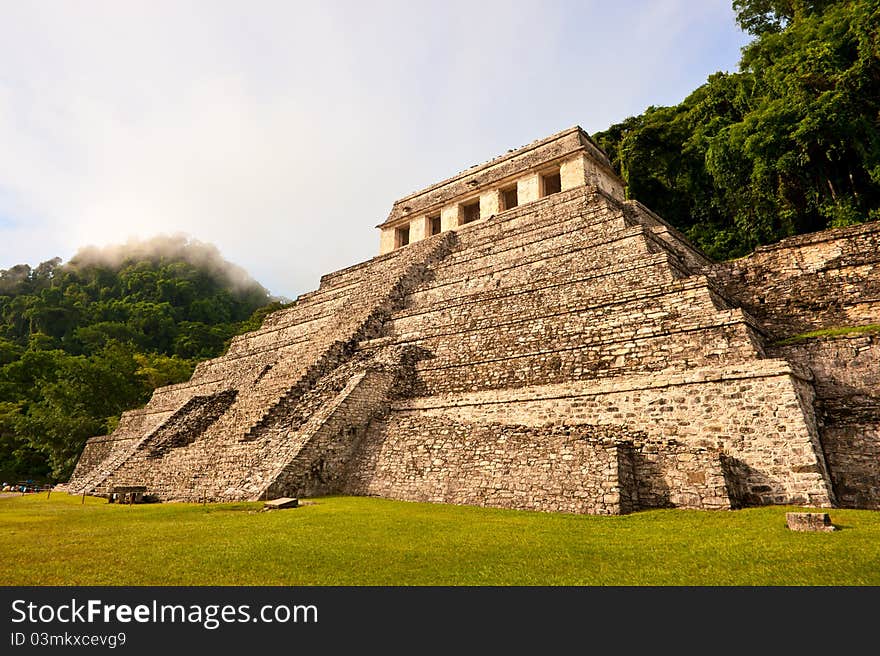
576	204
322	294
306	308
514	340
400	258
482	239
272	339
630	274
569	230
345	285
577	228
287	354
523	324
577	255
685	349
547	300
323	308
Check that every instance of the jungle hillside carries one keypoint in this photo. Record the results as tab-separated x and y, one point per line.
82	341
789	144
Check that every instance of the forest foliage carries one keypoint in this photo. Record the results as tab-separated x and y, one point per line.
83	341
788	144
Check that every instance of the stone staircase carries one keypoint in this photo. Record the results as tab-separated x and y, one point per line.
90	481
268	370
306	444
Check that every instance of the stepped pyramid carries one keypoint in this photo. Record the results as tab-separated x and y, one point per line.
527	338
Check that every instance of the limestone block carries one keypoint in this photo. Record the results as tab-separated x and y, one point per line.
450	217
490	203
386	241
419	228
281	504
528	188
572	172
809	522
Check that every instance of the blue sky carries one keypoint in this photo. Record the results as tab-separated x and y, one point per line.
282	132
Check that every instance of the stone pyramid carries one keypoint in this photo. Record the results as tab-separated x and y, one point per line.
528	338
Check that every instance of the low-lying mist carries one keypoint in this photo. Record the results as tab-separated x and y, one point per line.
169	247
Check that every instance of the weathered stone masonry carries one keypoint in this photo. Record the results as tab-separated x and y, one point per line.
529	339
847	386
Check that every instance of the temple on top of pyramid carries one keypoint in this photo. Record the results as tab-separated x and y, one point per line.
530	338
548	166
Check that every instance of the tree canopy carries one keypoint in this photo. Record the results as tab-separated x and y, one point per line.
787	145
83	341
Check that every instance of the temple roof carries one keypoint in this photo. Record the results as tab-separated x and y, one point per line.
513	163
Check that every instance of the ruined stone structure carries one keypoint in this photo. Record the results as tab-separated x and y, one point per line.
528	338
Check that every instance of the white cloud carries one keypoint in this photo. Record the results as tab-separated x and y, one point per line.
282	132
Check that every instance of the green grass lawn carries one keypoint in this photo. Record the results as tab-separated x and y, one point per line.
363	541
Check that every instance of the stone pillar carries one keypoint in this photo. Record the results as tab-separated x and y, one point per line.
419	229
528	188
604	179
572	172
386	241
490	203
450	217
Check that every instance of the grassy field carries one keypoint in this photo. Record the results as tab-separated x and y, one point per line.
360	541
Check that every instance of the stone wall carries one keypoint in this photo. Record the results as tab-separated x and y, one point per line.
670	474
809	282
846	372
132	427
851	437
314	460
560	469
842	366
95	450
754	414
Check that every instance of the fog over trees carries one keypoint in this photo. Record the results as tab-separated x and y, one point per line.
83	341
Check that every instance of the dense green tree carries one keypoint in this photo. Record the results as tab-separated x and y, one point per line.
769	16
789	144
82	342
